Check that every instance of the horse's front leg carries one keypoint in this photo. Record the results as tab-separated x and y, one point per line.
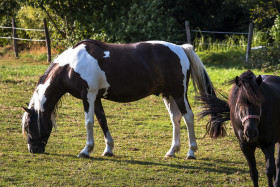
249	153
88	102
100	115
270	163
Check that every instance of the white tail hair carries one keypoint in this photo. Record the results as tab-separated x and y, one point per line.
199	74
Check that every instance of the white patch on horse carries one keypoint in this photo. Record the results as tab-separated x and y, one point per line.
86	65
106	54
39	96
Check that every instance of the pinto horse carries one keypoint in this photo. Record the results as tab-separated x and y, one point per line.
254	111
92	70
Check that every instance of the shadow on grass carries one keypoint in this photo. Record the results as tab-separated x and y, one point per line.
208	165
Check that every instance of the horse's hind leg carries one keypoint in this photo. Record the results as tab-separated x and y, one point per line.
100	115
188	116
175	116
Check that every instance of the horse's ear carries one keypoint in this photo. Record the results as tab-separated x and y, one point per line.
259	80
29	111
236	80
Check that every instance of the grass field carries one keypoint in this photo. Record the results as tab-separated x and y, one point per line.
142	132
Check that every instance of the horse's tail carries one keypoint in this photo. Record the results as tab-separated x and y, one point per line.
219	111
213	106
199	74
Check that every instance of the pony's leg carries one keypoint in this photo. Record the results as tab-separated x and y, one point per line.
88	101
270	163
277	178
188	117
100	115
175	116
249	153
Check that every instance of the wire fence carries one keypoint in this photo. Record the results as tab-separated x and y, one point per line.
15	38
24	39
187	31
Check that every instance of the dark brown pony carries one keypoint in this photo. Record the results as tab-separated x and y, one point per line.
93	70
253	108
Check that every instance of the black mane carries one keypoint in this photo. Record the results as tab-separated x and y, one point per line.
43	77
245	89
98	43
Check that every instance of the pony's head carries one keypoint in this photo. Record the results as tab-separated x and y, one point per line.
37	125
245	105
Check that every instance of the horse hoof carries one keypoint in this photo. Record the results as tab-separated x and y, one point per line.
190	157
169	156
108	154
83	155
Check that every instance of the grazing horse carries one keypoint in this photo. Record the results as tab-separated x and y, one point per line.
254	111
92	70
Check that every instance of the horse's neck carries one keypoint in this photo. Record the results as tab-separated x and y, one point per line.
46	97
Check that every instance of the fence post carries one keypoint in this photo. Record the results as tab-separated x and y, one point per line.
188	32
14	37
250	36
48	41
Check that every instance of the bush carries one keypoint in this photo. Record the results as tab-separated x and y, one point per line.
31	18
275	30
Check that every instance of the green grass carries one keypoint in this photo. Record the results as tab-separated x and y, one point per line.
142	132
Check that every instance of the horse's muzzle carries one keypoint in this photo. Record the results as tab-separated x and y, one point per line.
36	149
250	135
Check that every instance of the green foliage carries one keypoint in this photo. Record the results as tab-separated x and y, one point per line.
32	18
266	58
275	30
8	9
142	21
263	12
230	43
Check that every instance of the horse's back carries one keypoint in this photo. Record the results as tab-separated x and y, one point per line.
273	81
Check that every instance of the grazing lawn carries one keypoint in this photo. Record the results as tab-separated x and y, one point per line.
142	132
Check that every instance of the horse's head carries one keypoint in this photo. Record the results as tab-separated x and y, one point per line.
37	133
245	102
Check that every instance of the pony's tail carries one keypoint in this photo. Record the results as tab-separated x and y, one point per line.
219	111
199	74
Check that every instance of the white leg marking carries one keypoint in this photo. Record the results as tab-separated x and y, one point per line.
189	120
109	145
175	116
89	121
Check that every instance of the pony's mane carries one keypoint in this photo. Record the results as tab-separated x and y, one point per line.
244	90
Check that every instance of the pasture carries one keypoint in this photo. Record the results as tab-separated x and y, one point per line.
142	132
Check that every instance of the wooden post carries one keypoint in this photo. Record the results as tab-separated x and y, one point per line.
188	32
14	37
48	41
250	36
